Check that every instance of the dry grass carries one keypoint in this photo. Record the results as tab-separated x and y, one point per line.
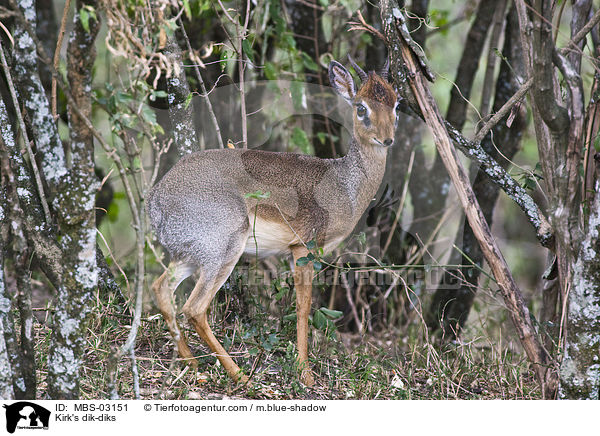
390	365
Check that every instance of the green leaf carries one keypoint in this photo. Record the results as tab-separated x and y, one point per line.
597	143
157	93
319	320
148	114
282	293
84	17
333	314
270	71
324	3
258	195
112	212
322	137
288	41
85	13
298	94
317	266
303	261
309	63
188	100
529	183
299	139
247	49
325	59
327	25
188	10
290	317
311	244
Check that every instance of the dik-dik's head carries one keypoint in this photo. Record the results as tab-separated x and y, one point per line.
375	104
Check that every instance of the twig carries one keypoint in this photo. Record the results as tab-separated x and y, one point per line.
61	35
504	110
572	44
242	68
10	37
229	17
240	36
135	374
36	172
486	91
351	302
363	25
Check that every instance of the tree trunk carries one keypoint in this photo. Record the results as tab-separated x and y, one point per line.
580	369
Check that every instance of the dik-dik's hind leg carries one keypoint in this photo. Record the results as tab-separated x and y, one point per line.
213	274
303	276
164	288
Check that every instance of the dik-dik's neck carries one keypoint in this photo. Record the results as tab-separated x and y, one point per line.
362	168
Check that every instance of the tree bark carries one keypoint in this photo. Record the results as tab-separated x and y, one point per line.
580	369
181	110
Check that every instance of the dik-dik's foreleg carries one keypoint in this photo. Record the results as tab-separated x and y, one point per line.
303	276
164	289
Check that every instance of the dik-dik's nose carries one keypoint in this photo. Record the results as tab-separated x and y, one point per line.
388	142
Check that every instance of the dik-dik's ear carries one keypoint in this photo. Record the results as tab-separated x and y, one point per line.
342	81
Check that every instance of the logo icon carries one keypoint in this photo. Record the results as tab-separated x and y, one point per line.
26	415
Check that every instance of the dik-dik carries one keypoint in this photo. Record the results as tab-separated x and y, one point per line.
202	215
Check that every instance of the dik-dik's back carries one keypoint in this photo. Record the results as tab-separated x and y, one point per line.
307	198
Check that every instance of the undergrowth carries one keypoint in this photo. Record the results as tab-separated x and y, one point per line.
392	364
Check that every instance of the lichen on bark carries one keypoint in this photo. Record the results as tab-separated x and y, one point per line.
180	108
580	369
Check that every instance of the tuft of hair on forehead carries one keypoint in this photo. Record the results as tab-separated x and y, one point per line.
378	89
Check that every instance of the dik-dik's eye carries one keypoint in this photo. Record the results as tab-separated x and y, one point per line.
361	111
397	108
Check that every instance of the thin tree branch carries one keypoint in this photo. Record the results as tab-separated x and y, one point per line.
587	28
486	91
61	35
504	110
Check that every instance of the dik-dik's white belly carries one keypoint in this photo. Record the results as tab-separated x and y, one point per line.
268	238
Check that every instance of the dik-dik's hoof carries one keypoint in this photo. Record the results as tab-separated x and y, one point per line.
190	361
307	378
